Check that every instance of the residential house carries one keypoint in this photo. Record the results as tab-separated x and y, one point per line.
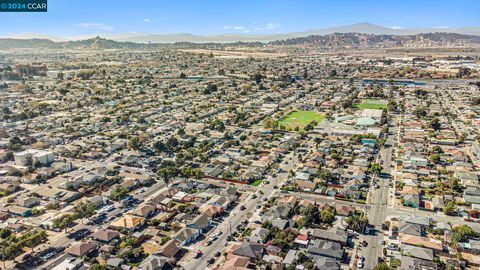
201	223
186	235
154	262
105	235
325	248
81	249
253	251
129	222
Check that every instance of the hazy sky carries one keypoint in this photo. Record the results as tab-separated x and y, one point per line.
76	17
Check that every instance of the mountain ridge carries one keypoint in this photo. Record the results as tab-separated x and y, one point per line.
139	37
336	40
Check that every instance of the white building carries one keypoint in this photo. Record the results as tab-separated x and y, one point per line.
373	113
32	156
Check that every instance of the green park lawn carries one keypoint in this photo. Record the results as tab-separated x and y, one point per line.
299	119
256	183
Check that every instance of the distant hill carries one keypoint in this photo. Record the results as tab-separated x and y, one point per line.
363	28
335	40
139	37
371	40
93	43
102	43
10	43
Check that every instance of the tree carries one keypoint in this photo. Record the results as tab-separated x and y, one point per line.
420	112
135	143
435	124
311	213
181	131
36	239
167	170
97	266
258	78
86	210
5	232
134	255
9	250
63	222
357	222
210	89
381	266
159	146
183	75
333	73
437	149
171	144
450	208
327	215
435	158
462	233
268	123
118	193
301	222
376	168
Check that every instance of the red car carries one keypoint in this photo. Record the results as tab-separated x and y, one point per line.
468	219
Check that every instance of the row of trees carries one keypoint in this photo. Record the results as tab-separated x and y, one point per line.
12	245
83	210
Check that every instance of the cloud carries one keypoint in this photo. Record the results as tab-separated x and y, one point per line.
269	26
147	20
238	28
396	27
96	26
234	27
441	27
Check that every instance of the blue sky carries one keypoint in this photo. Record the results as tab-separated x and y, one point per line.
77	17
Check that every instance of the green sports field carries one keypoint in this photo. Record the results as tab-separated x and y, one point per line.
299	119
369	103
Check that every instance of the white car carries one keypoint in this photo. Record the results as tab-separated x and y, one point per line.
48	256
359	264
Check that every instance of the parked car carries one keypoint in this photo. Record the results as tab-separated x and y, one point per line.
392	247
468	219
48	256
